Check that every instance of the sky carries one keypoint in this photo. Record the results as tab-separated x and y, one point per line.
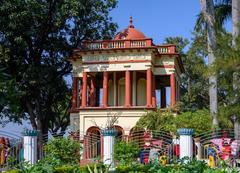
157	19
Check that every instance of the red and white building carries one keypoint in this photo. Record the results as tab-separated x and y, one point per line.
125	76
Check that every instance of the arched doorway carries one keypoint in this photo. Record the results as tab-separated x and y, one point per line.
141	92
93	143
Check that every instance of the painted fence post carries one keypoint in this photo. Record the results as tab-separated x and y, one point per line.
30	146
108	146
186	142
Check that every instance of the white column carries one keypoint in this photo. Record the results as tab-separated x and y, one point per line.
114	89
134	91
108	146
30	146
186	142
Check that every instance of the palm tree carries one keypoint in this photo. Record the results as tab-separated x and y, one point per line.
208	13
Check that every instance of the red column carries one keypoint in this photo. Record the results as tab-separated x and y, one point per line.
153	91
149	87
92	92
84	89
105	89
127	89
163	97
102	146
173	89
74	93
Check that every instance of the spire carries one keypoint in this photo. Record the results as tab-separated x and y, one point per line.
131	23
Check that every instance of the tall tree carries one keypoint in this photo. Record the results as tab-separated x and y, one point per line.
207	8
40	35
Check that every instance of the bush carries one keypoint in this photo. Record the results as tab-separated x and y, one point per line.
126	152
64	150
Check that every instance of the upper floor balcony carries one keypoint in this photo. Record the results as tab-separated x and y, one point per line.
127	44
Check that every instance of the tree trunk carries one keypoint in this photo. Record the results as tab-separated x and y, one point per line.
235	21
207	7
236	75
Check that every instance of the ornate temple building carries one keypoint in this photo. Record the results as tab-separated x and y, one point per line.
124	76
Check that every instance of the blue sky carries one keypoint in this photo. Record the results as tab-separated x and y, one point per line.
158	19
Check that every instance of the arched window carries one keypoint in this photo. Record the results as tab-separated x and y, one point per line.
93	147
121	91
141	92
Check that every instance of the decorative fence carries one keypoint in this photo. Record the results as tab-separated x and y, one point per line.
211	146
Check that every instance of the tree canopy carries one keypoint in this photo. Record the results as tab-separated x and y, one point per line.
36	36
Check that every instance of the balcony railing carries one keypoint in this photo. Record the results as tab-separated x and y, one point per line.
121	44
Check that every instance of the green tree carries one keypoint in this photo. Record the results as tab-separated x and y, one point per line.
39	35
194	94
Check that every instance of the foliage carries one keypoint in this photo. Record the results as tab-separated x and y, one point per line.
97	169
183	166
65	150
199	120
38	36
126	152
193	85
157	120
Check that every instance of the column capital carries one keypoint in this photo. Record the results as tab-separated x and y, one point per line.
185	131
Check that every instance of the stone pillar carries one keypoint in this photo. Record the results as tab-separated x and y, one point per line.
74	92
186	142
153	91
30	146
163	97
149	87
134	89
115	88
108	146
105	89
127	89
173	89
92	92
84	89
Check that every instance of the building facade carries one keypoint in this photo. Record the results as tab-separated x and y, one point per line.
125	77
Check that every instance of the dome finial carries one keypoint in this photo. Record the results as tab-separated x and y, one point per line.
131	23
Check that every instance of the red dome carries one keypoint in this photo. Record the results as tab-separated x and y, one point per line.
129	33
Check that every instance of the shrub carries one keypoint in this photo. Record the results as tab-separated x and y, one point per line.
64	150
126	152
